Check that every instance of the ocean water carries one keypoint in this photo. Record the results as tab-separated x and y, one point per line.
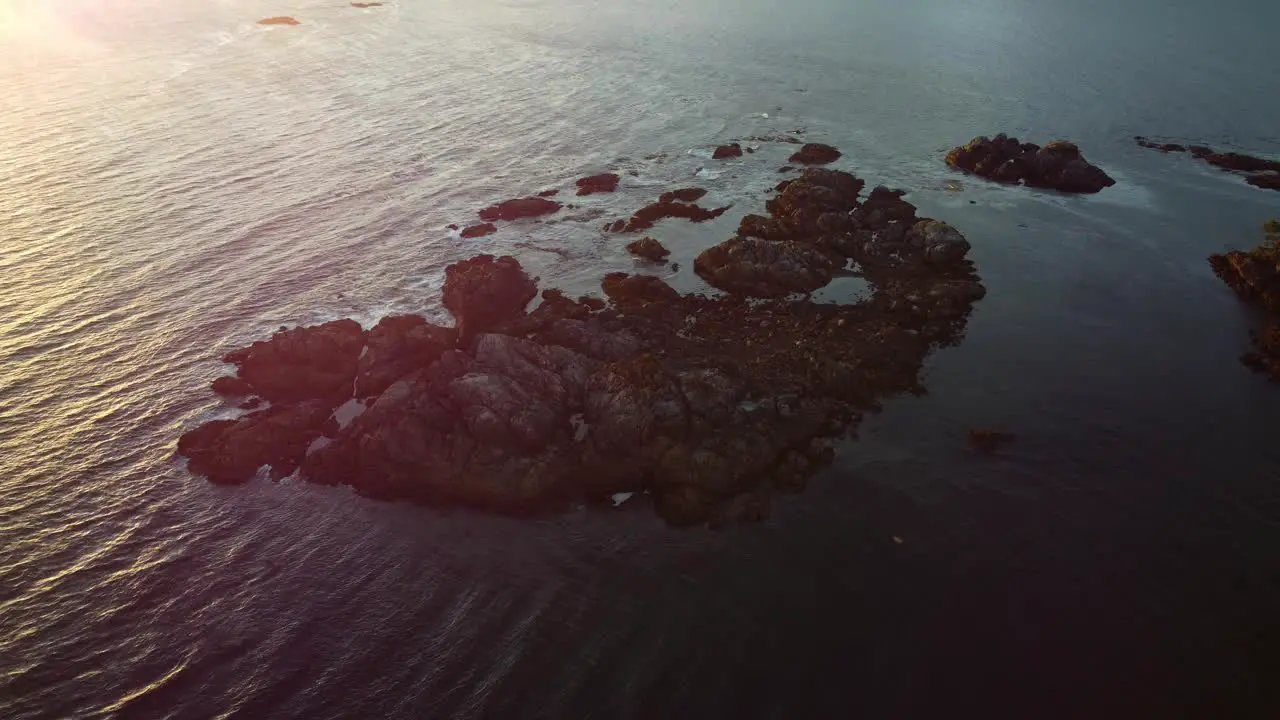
176	181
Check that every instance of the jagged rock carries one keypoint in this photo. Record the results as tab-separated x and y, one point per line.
649	249
602	183
682	195
483	292
231	451
763	268
727	151
317	362
1058	165
815	154
397	346
519	208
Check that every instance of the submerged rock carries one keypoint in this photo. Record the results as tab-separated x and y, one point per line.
727	151
602	183
647	216
519	208
1058	165
279	20
649	249
475	231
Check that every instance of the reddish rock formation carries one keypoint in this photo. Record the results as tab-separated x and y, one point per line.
649	215
279	20
1266	173
475	231
649	249
602	183
682	195
815	154
519	208
305	363
710	405
1058	165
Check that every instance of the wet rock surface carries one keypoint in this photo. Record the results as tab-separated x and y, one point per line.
709	405
280	20
519	208
682	195
731	150
475	231
649	249
1057	166
309	363
1255	276
602	183
815	154
1259	172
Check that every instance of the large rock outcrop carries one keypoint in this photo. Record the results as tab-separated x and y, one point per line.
306	363
1058	165
1255	276
710	405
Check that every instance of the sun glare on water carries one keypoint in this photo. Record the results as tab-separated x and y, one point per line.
42	26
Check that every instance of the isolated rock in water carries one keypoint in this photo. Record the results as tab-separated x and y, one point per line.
649	249
475	231
484	292
549	193
764	268
280	20
397	346
366	4
231	451
1058	165
317	362
1266	181
727	151
647	216
519	208
229	386
602	183
682	195
1255	276
815	154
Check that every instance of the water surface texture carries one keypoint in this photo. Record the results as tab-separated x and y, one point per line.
176	181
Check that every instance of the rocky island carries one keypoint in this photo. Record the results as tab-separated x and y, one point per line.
710	404
1056	166
1258	172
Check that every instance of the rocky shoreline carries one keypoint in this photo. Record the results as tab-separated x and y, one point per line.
1255	276
708	404
1258	172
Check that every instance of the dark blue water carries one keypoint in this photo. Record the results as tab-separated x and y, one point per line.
176	181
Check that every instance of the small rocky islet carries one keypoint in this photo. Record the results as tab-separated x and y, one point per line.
710	404
1057	165
1258	172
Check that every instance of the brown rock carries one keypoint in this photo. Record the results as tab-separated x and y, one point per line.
649	249
279	20
317	362
602	183
480	230
519	208
815	154
727	151
484	292
683	195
